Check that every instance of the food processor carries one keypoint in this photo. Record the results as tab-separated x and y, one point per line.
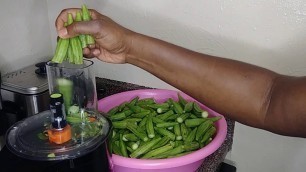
72	130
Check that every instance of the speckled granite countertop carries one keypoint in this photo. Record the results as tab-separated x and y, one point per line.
107	87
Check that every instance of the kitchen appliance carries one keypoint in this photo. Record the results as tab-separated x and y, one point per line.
65	142
27	89
79	154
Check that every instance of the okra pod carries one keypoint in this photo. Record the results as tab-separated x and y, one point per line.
61	50
214	119
120	124
134	101
165	132
161	110
182	117
166	124
143	122
145	101
211	131
165	115
132	145
177	132
117	117
157	120
181	100
130	137
136	109
144	148
162	142
149	127
82	37
194	122
113	111
116	149
191	135
86	17
141	114
122	147
202	129
177	107
184	131
157	151
188	107
190	146
176	150
138	133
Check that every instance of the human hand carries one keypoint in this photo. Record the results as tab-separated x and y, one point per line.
112	40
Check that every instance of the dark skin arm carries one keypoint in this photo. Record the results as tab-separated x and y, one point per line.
246	93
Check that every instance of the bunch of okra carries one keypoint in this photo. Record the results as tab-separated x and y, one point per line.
149	130
71	49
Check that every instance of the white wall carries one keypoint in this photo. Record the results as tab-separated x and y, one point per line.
24	33
267	33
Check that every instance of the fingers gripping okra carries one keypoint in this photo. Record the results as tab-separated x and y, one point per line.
151	130
71	50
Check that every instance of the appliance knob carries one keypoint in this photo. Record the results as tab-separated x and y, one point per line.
41	68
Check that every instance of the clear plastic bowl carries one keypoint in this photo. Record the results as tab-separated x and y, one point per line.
186	163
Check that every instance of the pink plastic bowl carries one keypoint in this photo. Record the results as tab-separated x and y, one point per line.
187	163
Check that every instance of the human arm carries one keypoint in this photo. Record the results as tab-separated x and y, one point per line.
246	93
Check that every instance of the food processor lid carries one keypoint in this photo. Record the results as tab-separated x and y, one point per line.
22	139
25	81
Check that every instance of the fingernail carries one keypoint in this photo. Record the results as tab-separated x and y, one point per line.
62	32
96	52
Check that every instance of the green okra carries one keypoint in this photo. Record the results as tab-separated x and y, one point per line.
141	114
143	122
145	101
130	137
134	101
165	132
146	147
211	131
191	136
132	145
157	151
191	146
166	124
116	149
150	127
137	132
181	100
177	132
165	115
177	107
113	111
194	122
184	131
171	152
86	17
188	107
164	140
182	117
61	50
157	120
118	116
82	37
202	129
122	147
136	109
